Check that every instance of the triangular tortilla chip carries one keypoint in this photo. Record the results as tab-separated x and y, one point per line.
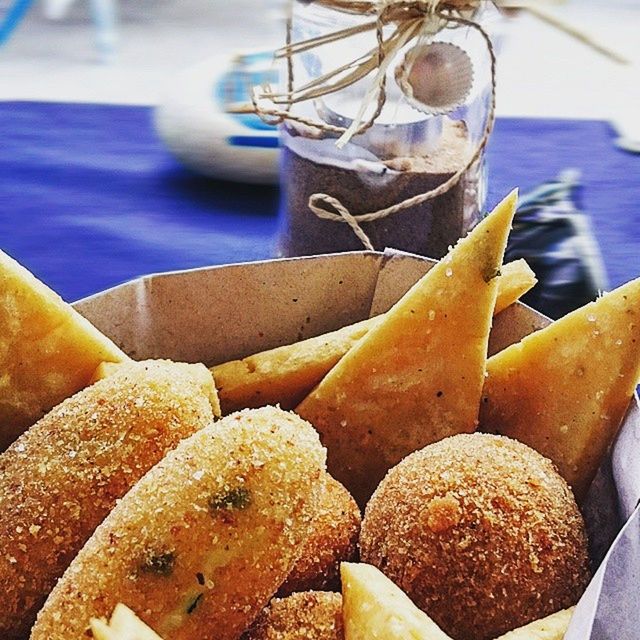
552	627
416	377
285	375
565	389
124	625
48	351
516	278
374	607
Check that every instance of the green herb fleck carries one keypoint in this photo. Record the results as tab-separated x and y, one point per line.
161	563
193	603
491	273
236	498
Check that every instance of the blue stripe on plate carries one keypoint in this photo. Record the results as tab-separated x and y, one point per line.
270	142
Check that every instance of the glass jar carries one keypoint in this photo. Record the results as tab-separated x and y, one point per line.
405	153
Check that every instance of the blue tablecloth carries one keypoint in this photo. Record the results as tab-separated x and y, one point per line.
90	198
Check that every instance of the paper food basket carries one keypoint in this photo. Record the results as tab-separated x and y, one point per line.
219	313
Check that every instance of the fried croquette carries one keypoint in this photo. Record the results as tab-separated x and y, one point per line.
60	479
205	538
333	539
482	534
308	615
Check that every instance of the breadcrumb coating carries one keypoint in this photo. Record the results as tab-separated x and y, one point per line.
481	532
308	615
204	539
333	539
61	478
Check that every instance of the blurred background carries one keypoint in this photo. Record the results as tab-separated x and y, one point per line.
542	72
88	187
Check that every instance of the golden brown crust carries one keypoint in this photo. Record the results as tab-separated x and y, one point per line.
59	480
481	532
333	539
203	540
309	615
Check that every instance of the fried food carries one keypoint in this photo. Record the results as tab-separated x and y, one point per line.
515	279
417	376
285	375
123	625
482	534
61	478
565	389
333	539
48	351
106	369
374	607
205	538
552	627
309	615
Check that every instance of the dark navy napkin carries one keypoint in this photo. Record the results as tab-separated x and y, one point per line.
553	234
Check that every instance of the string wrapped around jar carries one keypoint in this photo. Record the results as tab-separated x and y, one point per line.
385	112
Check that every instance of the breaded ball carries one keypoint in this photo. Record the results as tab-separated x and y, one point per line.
333	539
198	547
308	615
61	478
481	532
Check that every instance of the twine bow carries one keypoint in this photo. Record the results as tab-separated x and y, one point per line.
410	19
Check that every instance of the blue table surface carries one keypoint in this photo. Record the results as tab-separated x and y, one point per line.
90	198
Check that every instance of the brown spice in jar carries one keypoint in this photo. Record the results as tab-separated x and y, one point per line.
427	229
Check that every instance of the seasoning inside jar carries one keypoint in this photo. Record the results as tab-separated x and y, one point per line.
366	185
